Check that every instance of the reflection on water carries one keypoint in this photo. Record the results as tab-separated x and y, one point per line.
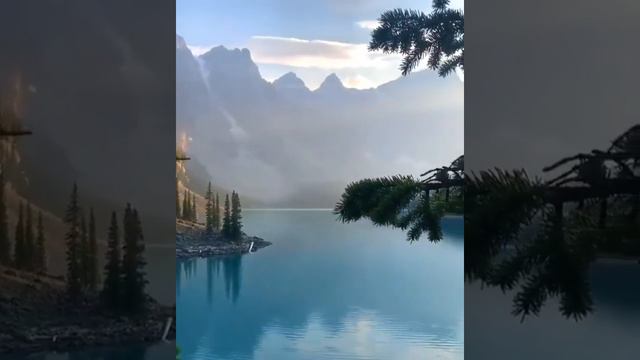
324	290
230	277
611	332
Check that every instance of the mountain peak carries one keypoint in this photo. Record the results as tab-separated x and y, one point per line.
331	82
289	81
235	61
222	51
180	43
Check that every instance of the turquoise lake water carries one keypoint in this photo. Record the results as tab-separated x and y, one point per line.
325	291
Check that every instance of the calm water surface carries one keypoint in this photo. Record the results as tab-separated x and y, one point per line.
325	290
611	332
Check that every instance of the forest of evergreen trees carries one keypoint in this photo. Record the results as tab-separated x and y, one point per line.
124	275
229	223
28	251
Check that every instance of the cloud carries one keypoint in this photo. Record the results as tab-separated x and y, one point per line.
330	55
362	336
358	82
313	60
368	24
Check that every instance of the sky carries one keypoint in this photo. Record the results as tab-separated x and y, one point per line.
311	38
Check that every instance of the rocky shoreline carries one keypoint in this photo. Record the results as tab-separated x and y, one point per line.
191	241
35	316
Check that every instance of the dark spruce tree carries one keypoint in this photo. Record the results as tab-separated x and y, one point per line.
404	201
5	243
111	289
189	206
133	263
92	257
185	206
178	211
415	205
236	217
216	211
72	220
40	257
194	211
83	250
19	248
226	220
29	241
209	216
589	209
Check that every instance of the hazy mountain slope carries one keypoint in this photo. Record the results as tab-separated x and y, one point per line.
100	114
196	178
191	91
288	146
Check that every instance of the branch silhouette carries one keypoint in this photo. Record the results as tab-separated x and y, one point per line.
405	202
539	238
437	37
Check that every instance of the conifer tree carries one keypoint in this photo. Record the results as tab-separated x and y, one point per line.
217	212
209	217
194	213
236	217
214	212
126	278
133	263
226	221
185	206
29	241
72	219
437	36
40	256
141	275
178	212
539	238
5	244
83	251
19	255
92	254
406	202
111	287
188	206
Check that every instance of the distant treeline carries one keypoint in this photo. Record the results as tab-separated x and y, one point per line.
229	223
124	283
28	251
